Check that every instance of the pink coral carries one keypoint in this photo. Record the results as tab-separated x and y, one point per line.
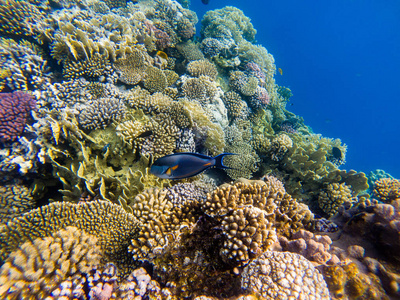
15	109
255	70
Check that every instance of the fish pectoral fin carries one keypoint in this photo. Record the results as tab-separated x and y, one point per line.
174	167
168	171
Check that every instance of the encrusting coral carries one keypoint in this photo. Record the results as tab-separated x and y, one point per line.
284	275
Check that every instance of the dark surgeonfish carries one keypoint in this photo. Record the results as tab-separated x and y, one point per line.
185	164
205	1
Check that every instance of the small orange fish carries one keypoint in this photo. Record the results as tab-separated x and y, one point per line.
280	71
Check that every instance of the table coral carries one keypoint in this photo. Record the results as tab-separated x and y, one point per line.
284	275
131	68
15	109
154	80
36	269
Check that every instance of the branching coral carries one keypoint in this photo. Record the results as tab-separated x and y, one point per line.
109	223
21	66
101	112
331	198
37	268
387	189
202	67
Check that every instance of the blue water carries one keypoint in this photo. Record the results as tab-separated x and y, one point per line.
341	60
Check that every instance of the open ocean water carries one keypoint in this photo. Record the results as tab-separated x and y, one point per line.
341	60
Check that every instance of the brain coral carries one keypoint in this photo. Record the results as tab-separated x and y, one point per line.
15	109
109	223
37	268
284	275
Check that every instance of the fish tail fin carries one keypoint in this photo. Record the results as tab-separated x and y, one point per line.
219	160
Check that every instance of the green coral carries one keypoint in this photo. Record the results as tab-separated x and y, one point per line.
230	20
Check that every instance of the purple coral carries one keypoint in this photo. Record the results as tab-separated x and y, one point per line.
15	109
255	70
260	99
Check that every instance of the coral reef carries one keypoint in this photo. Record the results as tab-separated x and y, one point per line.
94	91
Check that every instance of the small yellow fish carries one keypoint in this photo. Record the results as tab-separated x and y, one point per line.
280	71
162	54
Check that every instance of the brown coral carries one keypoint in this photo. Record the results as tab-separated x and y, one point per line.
331	198
37	268
154	80
202	67
131	68
387	189
109	223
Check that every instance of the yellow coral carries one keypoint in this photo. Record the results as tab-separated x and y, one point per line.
333	197
387	189
202	67
36	269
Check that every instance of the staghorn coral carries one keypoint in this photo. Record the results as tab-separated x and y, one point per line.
101	112
284	275
15	200
202	67
15	109
109	223
37	268
387	189
333	196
